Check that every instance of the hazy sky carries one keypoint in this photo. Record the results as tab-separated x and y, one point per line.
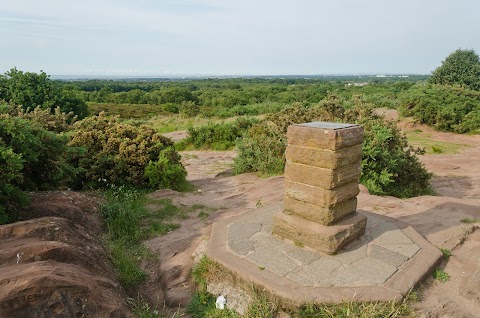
240	37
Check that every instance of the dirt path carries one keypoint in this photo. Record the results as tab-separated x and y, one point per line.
224	195
456	180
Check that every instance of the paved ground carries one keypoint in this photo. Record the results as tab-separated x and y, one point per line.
384	264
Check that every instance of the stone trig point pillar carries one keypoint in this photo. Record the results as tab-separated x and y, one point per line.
321	184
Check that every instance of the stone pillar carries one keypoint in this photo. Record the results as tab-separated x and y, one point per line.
321	184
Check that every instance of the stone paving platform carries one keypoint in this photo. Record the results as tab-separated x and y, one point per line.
382	265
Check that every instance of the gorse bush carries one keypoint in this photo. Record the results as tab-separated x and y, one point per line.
43	153
32	158
262	149
115	153
51	120
389	165
221	136
167	171
446	108
40	150
10	180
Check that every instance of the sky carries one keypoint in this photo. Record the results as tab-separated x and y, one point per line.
234	37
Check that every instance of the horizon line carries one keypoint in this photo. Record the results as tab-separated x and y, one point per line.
186	76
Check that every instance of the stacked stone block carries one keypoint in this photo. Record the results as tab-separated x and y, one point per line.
321	184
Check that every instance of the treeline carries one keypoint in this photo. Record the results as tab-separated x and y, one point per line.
445	107
232	97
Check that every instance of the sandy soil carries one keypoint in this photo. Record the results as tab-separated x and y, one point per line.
456	180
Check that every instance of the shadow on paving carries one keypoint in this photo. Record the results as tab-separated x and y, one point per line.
441	217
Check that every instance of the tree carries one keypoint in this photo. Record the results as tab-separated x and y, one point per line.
460	67
189	109
31	90
27	89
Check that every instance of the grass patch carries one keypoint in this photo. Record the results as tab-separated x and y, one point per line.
141	309
168	123
441	275
437	149
298	244
125	258
216	136
424	140
122	215
446	253
160	220
469	220
127	222
203	214
358	309
189	156
203	303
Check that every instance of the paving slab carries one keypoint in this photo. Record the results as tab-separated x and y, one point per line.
390	257
273	260
382	265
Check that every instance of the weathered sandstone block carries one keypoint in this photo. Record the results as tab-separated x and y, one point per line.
320	196
323	215
321	177
323	238
314	136
324	158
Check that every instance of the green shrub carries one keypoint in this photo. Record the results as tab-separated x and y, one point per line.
170	107
31	158
469	124
44	153
446	108
262	149
216	136
389	165
167	171
10	180
115	153
189	109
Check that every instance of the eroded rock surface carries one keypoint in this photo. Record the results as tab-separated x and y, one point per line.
56	266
